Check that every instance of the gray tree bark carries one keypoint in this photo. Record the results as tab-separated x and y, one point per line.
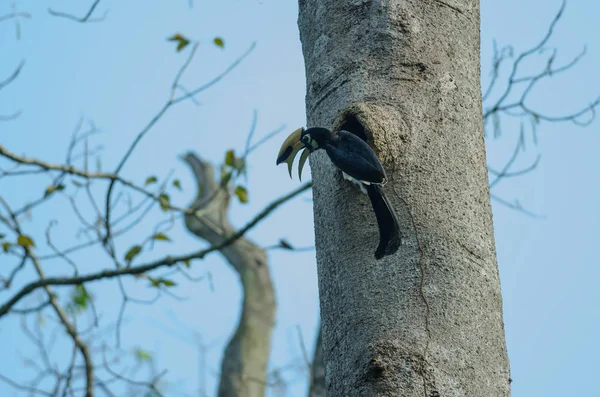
404	75
317	371
244	365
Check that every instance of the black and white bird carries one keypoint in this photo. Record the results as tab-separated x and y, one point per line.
359	164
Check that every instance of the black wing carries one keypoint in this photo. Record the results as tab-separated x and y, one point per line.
356	158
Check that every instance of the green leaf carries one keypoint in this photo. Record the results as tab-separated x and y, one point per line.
161	236
169	283
177	184
142	355
53	188
182	41
150	180
187	263
133	252
5	246
285	244
25	241
230	158
219	42
157	282
242	194
80	298
163	199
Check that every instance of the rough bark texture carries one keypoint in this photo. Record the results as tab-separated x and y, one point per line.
243	370
317	376
404	75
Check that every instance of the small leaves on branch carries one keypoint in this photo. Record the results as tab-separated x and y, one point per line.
132	253
142	355
177	184
53	188
158	282
79	299
161	237
164	201
25	241
234	162
218	41
242	194
230	157
181	40
237	165
150	180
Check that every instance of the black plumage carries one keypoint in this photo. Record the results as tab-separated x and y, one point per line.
353	156
357	160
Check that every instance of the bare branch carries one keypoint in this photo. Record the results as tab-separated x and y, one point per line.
31	390
33	309
516	206
506	174
164	262
14	15
83	348
172	101
86	18
10	117
148	385
13	76
548	72
519	108
526	54
512	159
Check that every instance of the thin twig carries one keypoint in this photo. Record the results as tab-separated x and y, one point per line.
84	19
164	262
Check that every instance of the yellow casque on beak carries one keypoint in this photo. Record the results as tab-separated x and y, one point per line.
290	148
303	159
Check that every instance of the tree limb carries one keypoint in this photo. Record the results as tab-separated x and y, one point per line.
84	19
243	369
163	262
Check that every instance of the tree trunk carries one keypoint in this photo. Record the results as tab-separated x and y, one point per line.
427	321
244	365
317	370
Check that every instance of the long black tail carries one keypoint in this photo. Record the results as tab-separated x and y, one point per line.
389	229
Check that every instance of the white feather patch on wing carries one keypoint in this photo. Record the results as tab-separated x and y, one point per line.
360	184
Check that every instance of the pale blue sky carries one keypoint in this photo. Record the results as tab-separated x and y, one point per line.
118	73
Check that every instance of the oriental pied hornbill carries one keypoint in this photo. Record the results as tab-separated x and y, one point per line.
359	164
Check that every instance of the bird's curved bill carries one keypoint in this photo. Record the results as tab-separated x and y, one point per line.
290	148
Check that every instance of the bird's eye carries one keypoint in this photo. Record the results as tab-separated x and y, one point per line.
306	139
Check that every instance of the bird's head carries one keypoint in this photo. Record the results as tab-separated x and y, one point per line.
310	139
